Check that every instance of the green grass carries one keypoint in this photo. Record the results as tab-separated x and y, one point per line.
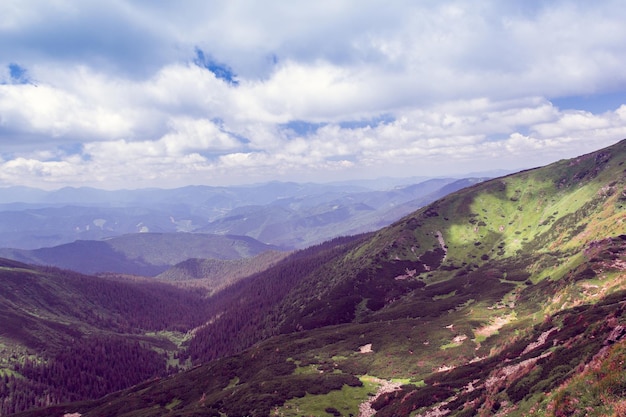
232	383
346	401
451	345
444	296
173	404
177	338
9	372
306	370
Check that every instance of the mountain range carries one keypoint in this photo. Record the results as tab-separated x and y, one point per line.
146	254
502	298
283	214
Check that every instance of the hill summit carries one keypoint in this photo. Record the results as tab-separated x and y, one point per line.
504	298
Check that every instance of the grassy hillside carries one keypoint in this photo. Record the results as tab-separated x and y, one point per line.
505	298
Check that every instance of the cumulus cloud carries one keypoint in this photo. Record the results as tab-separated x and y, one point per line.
55	113
238	91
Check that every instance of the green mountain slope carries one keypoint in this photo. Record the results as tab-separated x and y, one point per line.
530	225
504	298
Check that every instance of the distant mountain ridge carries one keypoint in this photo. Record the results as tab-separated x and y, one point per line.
283	214
147	254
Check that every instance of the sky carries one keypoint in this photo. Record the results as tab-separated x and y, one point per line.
145	93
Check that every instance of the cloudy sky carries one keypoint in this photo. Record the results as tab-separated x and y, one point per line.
129	94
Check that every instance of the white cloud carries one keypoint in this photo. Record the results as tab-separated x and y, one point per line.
318	91
56	113
445	86
197	135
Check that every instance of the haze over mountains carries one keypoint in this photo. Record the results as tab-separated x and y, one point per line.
146	254
92	231
502	298
283	214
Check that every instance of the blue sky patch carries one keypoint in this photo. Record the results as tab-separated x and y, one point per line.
596	103
18	74
221	71
303	128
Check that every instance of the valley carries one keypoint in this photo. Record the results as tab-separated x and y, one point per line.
504	297
67	336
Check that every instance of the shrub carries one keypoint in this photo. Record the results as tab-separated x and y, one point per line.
333	411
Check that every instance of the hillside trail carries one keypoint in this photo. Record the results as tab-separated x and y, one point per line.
365	409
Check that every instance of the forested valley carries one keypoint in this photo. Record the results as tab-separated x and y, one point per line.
103	334
68	336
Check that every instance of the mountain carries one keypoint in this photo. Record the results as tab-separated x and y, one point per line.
277	213
31	219
146	254
216	274
503	298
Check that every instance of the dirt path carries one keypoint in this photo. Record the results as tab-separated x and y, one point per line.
365	409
